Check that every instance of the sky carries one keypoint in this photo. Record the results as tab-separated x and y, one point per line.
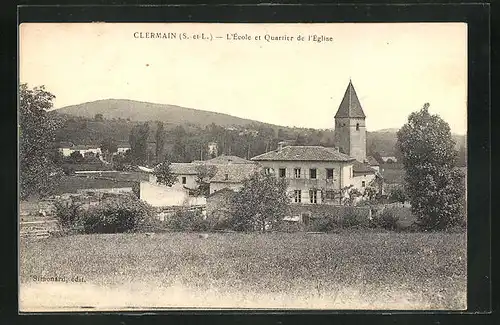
395	68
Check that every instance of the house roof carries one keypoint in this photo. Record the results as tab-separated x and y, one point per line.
236	173
222	159
361	168
350	105
372	161
184	168
304	153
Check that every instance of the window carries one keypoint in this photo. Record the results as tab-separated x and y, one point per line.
329	173
329	195
183	179
313	196
357	126
282	172
363	184
312	173
267	170
297	196
226	176
296	172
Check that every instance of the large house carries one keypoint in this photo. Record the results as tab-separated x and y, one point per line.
319	174
315	174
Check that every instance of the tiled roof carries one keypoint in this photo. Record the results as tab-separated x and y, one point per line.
361	168
184	168
304	153
372	161
236	173
222	159
350	105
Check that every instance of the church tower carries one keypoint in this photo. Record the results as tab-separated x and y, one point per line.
350	128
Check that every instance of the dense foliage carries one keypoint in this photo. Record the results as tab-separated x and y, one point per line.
262	202
117	214
37	169
435	186
203	175
138	140
114	214
164	175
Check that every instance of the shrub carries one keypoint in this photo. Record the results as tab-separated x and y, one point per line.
351	217
387	219
68	169
117	214
188	220
68	213
324	224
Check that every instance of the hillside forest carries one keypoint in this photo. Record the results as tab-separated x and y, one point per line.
185	142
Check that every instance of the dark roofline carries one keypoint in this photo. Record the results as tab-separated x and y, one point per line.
348	159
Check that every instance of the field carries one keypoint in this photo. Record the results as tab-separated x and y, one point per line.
355	270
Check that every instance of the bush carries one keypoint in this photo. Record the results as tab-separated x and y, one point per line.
68	213
68	170
351	217
117	214
387	219
325	224
188	220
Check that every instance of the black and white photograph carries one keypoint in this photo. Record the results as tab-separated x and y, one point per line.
216	166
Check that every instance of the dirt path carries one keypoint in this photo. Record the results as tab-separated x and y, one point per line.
57	296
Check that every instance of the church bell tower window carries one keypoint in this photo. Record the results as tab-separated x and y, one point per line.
357	126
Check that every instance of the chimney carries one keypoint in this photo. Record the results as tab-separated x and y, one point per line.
280	145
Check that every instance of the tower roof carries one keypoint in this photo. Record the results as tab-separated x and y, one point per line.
350	105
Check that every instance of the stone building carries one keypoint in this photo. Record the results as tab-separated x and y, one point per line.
318	175
315	174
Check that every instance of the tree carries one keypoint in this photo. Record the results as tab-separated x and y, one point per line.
164	175
203	175
262	201
434	185
37	172
76	157
138	141
98	117
378	157
300	140
109	145
349	195
371	191
160	139
399	194
462	156
179	148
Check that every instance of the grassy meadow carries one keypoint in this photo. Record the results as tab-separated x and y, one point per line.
356	270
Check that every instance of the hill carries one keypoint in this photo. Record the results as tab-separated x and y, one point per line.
142	111
121	115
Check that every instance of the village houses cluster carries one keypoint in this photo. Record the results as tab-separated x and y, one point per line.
315	174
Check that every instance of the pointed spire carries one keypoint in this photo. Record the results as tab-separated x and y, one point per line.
350	105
